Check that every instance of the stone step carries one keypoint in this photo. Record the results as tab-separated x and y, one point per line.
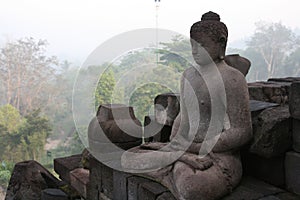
63	166
79	180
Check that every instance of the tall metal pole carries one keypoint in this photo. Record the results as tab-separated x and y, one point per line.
157	9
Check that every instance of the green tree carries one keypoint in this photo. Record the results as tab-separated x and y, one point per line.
34	134
105	88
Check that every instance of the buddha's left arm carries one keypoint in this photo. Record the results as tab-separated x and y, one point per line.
240	131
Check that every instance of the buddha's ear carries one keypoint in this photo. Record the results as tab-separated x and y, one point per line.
223	40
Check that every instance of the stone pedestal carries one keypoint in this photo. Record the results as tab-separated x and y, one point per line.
292	170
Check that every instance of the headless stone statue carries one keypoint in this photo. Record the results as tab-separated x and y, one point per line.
214	174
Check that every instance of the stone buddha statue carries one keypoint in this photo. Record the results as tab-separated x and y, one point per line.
202	161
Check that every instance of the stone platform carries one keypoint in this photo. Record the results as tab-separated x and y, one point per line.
102	182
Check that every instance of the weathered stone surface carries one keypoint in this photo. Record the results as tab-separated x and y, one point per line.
53	194
79	180
166	108
295	100
270	91
292	170
120	185
28	180
151	128
95	180
114	123
296	135
166	196
155	131
150	190
63	166
107	181
251	189
270	170
133	185
272	135
238	62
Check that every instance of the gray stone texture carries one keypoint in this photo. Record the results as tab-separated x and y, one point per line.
270	91
120	185
150	190
295	100
63	166
117	124
28	180
79	180
133	186
166	108
272	134
292	170
252	189
296	135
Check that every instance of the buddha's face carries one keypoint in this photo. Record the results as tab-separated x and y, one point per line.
204	49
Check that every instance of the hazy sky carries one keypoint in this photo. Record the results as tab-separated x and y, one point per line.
75	28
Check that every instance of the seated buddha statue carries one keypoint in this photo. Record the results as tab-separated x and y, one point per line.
202	159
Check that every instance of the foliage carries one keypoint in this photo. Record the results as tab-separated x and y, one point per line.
105	88
269	48
25	73
27	140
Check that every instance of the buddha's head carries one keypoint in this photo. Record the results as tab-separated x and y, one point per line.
208	39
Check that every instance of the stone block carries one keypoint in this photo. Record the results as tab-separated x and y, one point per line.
151	128
79	180
251	188
292	170
114	123
295	100
63	166
155	131
120	185
272	132
256	92
28	180
270	91
107	181
150	190
166	108
133	186
270	170
296	135
95	183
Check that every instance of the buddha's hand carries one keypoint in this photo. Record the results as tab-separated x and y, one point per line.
196	162
167	147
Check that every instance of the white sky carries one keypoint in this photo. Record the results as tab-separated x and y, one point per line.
74	28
